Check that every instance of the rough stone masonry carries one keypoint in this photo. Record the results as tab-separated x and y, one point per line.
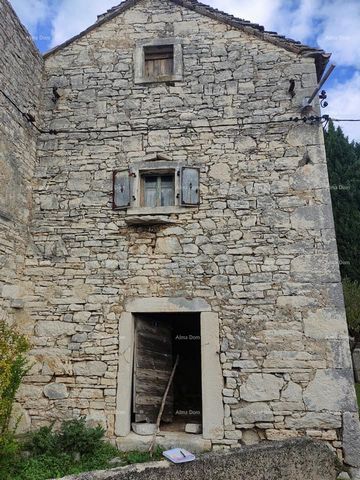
259	249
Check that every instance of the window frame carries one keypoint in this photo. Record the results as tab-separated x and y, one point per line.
139	61
156	167
158	174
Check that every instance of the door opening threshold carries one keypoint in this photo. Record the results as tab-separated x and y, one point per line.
166	440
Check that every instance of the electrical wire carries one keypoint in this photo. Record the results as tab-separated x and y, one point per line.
30	118
344	119
324	119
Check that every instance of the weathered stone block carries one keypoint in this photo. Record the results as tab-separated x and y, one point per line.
314	216
315	268
351	438
325	323
79	181
144	428
168	245
48	328
29	392
195	428
331	390
251	413
20	421
56	391
319	420
90	368
260	387
250	437
292	392
10	291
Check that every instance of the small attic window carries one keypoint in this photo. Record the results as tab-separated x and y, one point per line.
159	61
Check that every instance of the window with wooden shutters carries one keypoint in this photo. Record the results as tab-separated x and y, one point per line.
121	189
156	188
159	61
190	186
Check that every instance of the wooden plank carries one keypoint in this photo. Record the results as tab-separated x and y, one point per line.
154	344
150	400
157	363
163	402
160	67
152	368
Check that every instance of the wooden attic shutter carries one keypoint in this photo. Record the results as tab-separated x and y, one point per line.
159	61
121	189
190	186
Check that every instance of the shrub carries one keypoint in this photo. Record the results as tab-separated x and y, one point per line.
75	436
13	367
75	448
42	441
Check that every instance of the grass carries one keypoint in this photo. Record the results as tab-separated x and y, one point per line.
43	467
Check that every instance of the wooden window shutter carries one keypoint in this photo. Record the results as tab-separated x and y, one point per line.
121	189
190	186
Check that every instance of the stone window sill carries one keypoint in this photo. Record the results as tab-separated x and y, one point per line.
163	79
149	220
158	210
154	216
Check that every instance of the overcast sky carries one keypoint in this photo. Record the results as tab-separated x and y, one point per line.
334	25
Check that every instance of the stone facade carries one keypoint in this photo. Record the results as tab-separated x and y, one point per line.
260	249
21	69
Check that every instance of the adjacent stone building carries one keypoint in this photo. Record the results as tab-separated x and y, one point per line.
172	208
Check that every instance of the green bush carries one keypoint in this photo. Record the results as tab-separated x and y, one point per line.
75	448
75	436
13	367
41	442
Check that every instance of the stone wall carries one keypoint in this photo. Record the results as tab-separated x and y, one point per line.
260	248
21	68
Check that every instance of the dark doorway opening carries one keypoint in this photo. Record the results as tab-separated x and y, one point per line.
159	339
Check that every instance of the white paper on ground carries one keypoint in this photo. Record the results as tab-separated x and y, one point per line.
179	455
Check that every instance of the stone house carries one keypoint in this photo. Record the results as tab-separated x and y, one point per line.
160	202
